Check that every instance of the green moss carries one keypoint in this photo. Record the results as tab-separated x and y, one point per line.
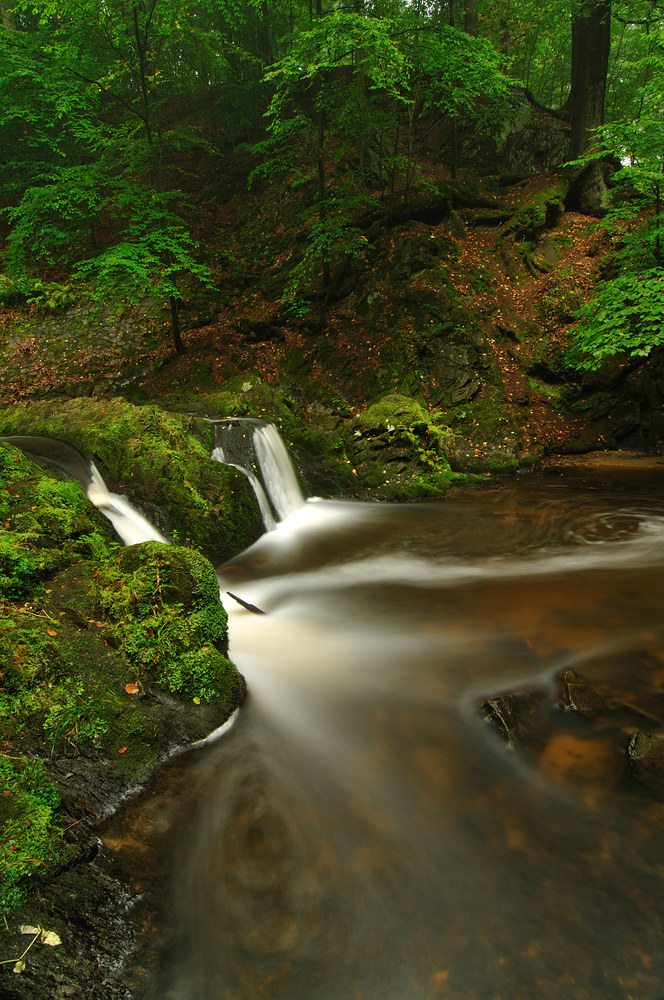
30	835
47	524
152	457
400	449
168	619
392	411
539	211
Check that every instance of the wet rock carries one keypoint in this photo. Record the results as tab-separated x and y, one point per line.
579	696
90	912
645	759
521	719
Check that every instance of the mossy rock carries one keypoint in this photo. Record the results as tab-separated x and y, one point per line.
393	410
48	524
400	450
153	458
102	695
163	606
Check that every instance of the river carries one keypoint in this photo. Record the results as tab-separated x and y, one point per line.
406	807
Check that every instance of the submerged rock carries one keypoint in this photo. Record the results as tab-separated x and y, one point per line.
645	759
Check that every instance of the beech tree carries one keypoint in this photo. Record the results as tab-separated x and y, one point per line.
316	99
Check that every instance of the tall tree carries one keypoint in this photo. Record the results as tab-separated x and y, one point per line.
591	45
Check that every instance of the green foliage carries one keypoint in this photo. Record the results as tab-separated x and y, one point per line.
460	75
327	240
51	296
626	318
30	836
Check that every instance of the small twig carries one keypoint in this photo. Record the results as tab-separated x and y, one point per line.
34	614
76	822
8	961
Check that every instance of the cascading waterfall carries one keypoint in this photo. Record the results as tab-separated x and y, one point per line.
361	830
255	447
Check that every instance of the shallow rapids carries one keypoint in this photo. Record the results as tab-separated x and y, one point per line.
363	832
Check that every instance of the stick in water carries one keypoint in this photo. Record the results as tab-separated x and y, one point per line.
250	607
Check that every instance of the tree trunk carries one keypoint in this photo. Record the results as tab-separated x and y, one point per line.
175	325
322	193
591	40
266	41
470	17
7	15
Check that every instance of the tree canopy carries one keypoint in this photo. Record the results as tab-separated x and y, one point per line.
100	103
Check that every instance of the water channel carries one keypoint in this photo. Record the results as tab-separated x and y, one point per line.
376	825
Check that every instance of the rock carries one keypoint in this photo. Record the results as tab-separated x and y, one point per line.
456	373
580	696
645	759
521	719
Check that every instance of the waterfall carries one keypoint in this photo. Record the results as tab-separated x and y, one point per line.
256	449
130	526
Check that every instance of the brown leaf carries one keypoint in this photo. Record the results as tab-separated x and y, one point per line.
132	688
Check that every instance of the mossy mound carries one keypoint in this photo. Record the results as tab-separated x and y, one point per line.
154	458
165	612
119	666
400	450
110	660
47	524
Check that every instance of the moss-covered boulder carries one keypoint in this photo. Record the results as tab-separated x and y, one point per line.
399	449
121	663
47	524
165	613
154	458
111	659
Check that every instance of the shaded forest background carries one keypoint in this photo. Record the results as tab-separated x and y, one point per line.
129	128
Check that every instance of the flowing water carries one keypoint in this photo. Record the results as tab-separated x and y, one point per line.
363	832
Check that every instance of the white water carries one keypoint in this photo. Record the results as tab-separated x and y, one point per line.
261	498
130	525
256	448
280	479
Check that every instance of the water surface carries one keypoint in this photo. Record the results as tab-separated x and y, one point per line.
365	831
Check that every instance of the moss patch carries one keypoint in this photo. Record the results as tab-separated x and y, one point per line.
165	612
47	524
155	459
30	834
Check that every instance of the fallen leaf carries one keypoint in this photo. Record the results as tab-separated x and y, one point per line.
132	688
197	701
51	939
122	750
20	966
28	929
51	631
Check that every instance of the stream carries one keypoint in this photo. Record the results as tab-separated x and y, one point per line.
364	830
426	794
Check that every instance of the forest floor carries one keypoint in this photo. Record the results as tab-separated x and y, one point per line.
524	313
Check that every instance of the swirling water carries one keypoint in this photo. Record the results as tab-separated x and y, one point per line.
363	832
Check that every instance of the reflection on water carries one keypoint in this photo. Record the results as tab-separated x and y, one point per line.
364	831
